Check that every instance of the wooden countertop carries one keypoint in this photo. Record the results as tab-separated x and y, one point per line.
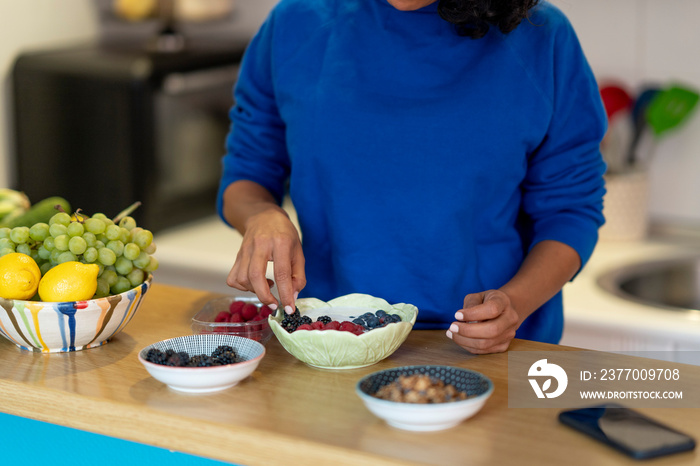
287	412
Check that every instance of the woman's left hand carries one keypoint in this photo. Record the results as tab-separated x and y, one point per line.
487	324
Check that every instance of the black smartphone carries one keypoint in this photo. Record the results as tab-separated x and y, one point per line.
627	430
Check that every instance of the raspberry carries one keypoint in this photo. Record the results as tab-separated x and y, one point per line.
347	326
318	325
222	316
332	325
258	318
249	311
305	327
236	317
236	306
265	311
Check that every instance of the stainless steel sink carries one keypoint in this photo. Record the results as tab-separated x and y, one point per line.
671	284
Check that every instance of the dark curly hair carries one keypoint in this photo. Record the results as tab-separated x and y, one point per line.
473	18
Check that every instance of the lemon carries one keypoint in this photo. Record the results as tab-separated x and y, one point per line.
69	281
19	276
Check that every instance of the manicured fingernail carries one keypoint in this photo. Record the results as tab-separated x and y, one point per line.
454	328
272	306
296	295
288	309
449	334
459	316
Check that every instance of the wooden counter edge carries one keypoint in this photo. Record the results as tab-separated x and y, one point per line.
147	426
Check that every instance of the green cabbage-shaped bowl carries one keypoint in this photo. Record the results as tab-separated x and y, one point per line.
334	349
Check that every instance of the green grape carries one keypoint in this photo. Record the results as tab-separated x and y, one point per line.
106	256
124	236
102	288
44	253
123	266
77	245
60	218
142	261
66	256
39	231
34	254
152	265
5	251
109	275
121	286
75	229
143	238
24	249
45	267
100	216
7	243
99	244
90	239
19	235
95	226
117	246
113	232
90	255
136	277
5	232
49	243
151	248
127	222
131	251
53	258
57	229
61	242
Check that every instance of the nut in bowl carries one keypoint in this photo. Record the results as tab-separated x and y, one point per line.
243	316
69	326
404	400
202	363
348	332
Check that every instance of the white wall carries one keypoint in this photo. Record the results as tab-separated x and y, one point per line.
655	42
28	24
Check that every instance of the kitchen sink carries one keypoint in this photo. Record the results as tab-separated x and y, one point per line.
669	284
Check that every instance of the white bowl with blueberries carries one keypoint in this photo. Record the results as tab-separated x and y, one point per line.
351	331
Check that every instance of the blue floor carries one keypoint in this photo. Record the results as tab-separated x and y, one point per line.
26	441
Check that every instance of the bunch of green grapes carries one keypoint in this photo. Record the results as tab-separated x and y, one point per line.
122	250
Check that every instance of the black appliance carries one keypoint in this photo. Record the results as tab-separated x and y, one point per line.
106	127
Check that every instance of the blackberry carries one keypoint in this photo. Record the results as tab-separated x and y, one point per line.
178	359
225	357
200	360
220	350
324	319
156	356
292	321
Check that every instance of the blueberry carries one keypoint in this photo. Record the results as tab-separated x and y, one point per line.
381	313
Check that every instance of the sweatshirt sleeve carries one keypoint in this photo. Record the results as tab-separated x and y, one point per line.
255	146
564	186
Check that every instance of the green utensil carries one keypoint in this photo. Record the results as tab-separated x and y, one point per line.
669	108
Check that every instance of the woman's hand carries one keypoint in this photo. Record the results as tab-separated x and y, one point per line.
268	235
487	324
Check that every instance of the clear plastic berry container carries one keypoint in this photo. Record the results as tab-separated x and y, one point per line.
210	319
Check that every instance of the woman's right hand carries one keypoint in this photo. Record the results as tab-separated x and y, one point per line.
269	235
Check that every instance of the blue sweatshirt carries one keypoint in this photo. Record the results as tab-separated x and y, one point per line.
423	165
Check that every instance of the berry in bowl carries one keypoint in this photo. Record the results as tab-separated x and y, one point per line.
202	363
243	316
424	398
348	332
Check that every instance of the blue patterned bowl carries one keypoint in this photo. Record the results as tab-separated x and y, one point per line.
51	327
426	417
205	379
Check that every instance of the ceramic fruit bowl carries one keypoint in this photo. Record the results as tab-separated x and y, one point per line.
69	326
425	416
338	349
234	315
203	377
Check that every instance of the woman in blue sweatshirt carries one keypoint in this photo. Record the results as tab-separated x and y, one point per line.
443	153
